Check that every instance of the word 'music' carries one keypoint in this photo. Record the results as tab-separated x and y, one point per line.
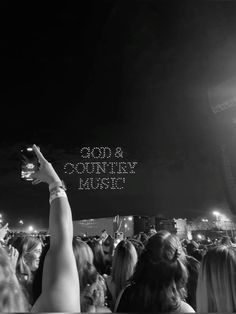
101	175
101	184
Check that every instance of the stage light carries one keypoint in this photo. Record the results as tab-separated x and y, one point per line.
30	228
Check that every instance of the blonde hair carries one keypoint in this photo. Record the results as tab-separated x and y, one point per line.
216	289
84	261
123	264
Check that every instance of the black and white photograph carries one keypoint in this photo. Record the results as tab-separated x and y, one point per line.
118	157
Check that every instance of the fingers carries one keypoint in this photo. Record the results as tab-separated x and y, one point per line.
5	226
38	153
25	159
36	181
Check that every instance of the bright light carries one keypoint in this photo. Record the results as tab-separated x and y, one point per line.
130	218
21	222
225	218
205	220
199	236
0	215
35	231
126	225
31	228
216	213
29	149
1	221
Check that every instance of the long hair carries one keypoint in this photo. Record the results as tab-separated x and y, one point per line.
84	262
123	264
99	258
12	298
92	285
160	276
25	245
216	289
38	278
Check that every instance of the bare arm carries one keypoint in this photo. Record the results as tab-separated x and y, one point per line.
60	286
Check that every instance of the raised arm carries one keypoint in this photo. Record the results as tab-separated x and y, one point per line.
60	285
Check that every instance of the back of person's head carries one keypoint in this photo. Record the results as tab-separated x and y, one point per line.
99	258
160	276
84	262
123	264
92	286
82	252
164	245
12	298
225	240
216	289
139	246
191	247
26	247
108	249
143	237
108	244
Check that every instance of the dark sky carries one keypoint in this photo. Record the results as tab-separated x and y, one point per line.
128	74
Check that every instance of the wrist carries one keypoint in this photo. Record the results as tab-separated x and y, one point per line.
58	192
53	179
54	184
57	185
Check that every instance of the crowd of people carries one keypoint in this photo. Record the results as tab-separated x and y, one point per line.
155	272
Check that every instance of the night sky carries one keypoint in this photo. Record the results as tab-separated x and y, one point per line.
132	75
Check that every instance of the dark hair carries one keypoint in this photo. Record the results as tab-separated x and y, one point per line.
99	260
160	277
225	240
139	246
37	282
142	237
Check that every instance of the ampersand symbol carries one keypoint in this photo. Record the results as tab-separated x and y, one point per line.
119	152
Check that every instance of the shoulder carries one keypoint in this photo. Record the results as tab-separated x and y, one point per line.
185	308
123	299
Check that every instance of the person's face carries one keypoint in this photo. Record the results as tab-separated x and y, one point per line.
32	258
